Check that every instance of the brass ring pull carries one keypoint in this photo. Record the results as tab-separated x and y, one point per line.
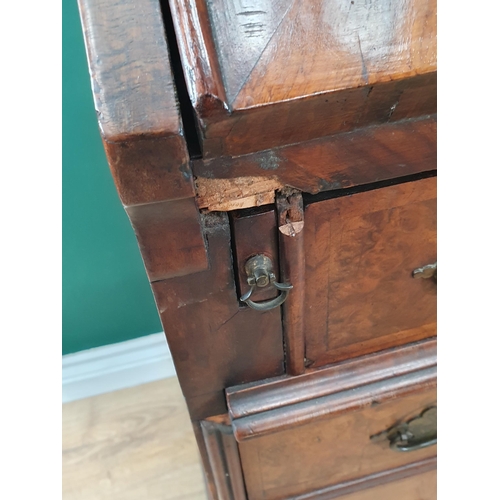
260	274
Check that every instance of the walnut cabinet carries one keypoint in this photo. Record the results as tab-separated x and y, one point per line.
277	161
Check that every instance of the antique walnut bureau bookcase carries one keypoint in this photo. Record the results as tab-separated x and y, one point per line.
277	161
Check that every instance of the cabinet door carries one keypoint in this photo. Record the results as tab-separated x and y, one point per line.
361	251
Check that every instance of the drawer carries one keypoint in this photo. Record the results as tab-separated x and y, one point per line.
418	487
360	253
333	431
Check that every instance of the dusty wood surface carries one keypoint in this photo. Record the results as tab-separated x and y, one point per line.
132	444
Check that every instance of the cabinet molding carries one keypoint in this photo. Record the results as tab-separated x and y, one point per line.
276	404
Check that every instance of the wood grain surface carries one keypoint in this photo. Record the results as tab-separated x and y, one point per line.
290	208
265	74
141	128
420	487
278	392
416	481
321	453
315	95
312	435
168	234
363	156
135	99
333	405
224	460
131	444
286	49
360	254
216	341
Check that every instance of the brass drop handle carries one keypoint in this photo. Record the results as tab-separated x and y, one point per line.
428	271
415	434
259	270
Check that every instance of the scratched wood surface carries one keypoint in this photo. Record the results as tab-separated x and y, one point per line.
266	73
263	46
131	444
360	254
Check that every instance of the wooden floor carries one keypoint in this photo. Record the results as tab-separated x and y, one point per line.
133	444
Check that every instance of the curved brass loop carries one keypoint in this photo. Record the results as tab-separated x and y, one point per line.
398	446
260	274
270	304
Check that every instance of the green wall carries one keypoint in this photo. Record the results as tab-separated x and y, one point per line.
106	295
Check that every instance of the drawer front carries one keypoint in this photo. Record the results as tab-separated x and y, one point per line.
360	253
418	487
329	452
342	431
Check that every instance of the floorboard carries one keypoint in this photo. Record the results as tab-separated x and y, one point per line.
131	444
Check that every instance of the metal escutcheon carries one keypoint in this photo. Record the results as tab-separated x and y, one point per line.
259	270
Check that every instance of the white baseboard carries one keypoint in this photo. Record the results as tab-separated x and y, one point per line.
116	366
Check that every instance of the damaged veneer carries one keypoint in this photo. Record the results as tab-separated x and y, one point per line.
224	195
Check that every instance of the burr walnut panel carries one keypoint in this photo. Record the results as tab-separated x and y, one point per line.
360	254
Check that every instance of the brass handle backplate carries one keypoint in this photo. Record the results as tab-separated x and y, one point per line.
260	274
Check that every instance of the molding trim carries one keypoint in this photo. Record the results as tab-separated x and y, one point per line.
371	481
224	458
116	366
269	406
